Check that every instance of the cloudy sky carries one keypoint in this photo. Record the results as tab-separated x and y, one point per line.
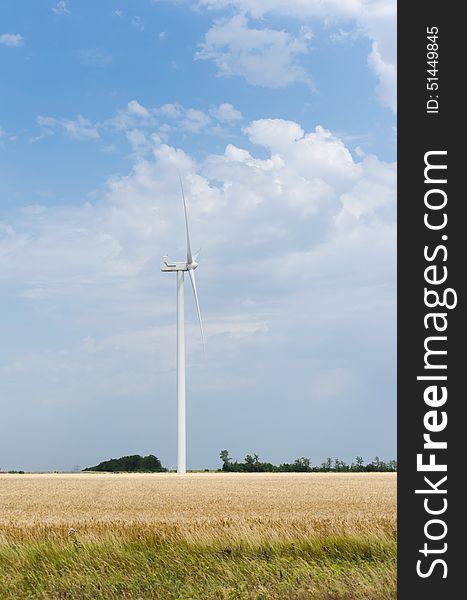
280	116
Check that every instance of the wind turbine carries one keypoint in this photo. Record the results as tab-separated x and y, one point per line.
180	267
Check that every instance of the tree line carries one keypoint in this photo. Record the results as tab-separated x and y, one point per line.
252	464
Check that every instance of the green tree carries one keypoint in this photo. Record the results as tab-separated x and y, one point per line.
302	464
226	463
359	463
251	462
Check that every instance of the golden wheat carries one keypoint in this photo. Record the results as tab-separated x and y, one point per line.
197	505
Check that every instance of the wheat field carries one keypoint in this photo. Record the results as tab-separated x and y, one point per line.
198	536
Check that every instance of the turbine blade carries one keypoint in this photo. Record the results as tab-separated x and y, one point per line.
195	257
193	283
189	257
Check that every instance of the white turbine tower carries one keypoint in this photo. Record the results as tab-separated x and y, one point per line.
180	267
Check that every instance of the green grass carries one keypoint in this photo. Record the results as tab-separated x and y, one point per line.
148	567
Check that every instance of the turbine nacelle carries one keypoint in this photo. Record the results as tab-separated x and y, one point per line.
169	265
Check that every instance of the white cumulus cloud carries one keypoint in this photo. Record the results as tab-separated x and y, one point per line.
135	108
11	39
264	57
76	129
386	90
226	113
305	173
61	8
168	117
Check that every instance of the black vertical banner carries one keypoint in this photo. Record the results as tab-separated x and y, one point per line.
432	227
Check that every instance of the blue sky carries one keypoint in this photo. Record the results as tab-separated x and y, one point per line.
282	122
